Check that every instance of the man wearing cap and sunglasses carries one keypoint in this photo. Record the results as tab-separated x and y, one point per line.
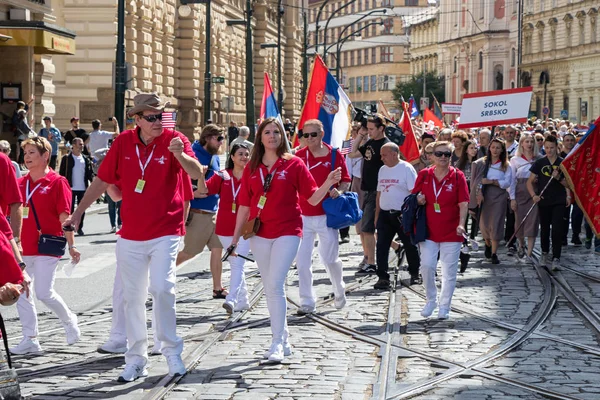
203	210
76	131
150	164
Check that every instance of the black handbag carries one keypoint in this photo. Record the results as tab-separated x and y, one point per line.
49	245
9	384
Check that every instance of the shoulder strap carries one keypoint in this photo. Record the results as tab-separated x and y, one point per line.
5	340
333	155
37	221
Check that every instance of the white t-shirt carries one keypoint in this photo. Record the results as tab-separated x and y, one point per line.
354	166
78	176
395	184
99	140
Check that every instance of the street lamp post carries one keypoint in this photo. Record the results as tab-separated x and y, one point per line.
327	24
317	25
280	12
250	108
120	68
384	11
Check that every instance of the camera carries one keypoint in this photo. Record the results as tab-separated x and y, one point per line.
110	119
392	130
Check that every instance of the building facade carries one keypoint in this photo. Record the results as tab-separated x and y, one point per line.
561	58
424	48
373	45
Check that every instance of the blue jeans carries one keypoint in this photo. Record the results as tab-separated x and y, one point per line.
114	211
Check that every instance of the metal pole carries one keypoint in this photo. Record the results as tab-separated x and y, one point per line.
424	82
207	73
519	41
120	68
327	24
279	69
305	55
250	94
317	25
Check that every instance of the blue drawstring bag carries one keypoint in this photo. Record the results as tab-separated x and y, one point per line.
343	211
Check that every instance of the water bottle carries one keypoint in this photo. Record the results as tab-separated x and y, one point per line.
68	268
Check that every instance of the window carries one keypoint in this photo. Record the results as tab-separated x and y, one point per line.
411	2
366	56
480	64
373	83
359	5
455	69
593	30
553	37
482	7
386	54
351	85
352	59
566	103
366	85
352	9
374	55
388	26
374	30
513	57
345	59
542	5
367	5
581	31
359	57
359	87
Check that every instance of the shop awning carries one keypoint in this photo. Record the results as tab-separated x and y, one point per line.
43	37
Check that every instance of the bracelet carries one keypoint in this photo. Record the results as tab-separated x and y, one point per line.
72	247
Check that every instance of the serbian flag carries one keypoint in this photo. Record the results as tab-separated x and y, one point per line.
268	107
430	119
582	170
414	111
410	148
327	102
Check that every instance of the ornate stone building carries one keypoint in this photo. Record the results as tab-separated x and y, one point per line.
423	29
561	57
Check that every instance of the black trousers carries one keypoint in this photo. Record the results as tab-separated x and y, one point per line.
552	218
509	229
576	221
52	163
388	226
344	232
77	194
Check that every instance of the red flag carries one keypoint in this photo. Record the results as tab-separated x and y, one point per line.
429	118
410	148
582	170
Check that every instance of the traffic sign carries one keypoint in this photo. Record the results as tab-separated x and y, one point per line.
218	79
564	114
546	111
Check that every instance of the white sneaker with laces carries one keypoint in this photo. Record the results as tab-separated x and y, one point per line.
27	345
176	366
228	306
113	346
443	313
276	353
131	372
428	309
340	302
241	306
287	350
72	331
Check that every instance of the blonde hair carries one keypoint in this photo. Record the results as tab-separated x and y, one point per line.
440	144
40	143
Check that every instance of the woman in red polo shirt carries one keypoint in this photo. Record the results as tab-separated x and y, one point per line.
227	185
50	194
444	192
272	183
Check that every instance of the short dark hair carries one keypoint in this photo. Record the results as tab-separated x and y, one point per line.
377	119
234	150
551	139
96	124
209	131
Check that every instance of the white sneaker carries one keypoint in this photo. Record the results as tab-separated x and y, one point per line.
131	372
287	350
340	302
443	313
543	259
27	345
241	306
176	367
276	353
303	310
556	264
113	346
228	306
72	331
156	349
428	309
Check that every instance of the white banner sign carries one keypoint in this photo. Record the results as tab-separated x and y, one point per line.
499	107
451	108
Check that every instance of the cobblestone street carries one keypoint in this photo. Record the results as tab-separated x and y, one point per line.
515	332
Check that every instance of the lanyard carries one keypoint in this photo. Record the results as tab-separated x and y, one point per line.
308	165
28	195
143	167
435	191
233	191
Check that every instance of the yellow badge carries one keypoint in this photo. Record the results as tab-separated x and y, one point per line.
25	212
233	209
436	207
139	188
262	201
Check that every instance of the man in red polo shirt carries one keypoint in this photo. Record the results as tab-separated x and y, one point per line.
147	163
10	197
317	157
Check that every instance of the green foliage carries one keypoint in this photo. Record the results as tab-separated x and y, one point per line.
414	87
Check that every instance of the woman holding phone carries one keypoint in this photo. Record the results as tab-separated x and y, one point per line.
272	183
47	198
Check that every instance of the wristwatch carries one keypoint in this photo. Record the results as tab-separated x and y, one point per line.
17	240
22	265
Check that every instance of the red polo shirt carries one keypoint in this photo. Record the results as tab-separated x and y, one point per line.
319	168
225	185
10	269
51	199
441	227
158	210
281	213
5	228
9	190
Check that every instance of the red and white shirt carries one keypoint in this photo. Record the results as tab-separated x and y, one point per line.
281	215
228	188
158	210
319	168
448	193
51	196
9	190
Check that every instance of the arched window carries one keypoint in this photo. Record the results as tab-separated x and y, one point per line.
513	57
480	62
455	64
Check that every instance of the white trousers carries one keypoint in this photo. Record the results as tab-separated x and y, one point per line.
329	253
139	261
449	254
42	270
238	291
274	258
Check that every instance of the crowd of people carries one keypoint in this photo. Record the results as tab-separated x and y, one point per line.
175	200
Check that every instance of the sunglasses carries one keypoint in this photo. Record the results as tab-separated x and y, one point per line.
306	135
539	140
219	138
152	118
441	154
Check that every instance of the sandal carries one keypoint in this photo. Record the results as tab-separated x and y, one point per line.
220	294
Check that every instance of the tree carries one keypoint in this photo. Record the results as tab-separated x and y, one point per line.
414	87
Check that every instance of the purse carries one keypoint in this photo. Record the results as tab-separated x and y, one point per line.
49	245
251	227
9	384
343	211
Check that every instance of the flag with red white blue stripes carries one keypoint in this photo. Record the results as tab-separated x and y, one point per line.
346	146
169	119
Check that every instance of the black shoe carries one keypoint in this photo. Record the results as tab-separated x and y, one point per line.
495	259
345	240
464	261
512	250
488	252
565	242
382	284
588	243
80	233
576	241
415	280
368	269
